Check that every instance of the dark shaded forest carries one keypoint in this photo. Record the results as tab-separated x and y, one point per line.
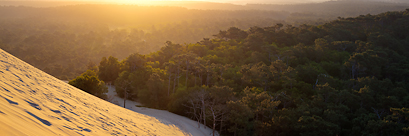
345	77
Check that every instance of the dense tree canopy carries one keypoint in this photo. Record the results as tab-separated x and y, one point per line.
345	77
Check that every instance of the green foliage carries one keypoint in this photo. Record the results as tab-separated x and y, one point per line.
90	83
256	75
315	125
240	116
108	69
133	81
155	95
134	62
178	100
123	84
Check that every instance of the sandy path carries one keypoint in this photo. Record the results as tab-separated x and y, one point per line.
166	117
187	125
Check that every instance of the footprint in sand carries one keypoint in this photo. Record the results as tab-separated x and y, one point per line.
5	89
34	105
10	101
45	122
55	111
80	128
67	119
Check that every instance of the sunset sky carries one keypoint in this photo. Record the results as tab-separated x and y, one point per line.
219	1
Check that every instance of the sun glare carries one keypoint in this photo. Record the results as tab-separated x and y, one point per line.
147	2
238	2
135	1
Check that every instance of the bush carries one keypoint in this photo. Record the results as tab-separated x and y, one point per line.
90	83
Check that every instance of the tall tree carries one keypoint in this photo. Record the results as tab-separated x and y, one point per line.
155	95
123	85
217	106
108	69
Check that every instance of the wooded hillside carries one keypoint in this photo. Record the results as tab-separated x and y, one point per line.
345	77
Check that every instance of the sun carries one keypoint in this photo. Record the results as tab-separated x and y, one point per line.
141	2
147	2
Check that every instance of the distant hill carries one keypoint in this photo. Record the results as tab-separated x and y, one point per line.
335	8
343	8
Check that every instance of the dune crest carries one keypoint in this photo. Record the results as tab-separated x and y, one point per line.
35	103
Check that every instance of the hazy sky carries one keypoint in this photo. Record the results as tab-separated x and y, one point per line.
242	2
222	1
268	1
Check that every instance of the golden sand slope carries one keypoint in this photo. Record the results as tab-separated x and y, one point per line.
35	103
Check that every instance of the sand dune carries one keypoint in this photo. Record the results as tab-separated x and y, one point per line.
35	103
